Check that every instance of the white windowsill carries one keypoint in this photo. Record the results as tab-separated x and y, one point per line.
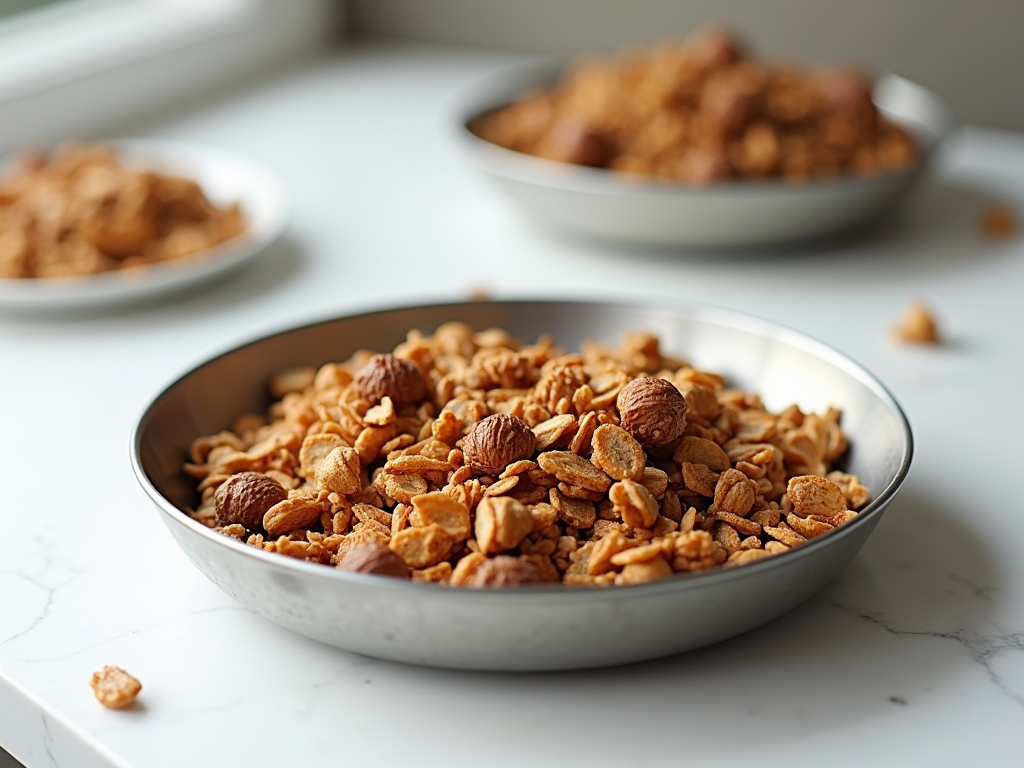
73	68
61	44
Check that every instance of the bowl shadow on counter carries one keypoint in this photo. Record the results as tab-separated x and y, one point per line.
836	658
271	269
942	212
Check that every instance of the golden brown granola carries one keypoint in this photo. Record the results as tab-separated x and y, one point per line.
702	110
80	211
515	465
114	688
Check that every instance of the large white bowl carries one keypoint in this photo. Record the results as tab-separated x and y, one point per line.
730	214
538	627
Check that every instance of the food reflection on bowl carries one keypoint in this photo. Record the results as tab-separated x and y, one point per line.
536	626
696	143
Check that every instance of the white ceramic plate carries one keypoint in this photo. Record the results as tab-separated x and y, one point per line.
225	178
746	214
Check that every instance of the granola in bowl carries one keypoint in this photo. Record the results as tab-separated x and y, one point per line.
702	110
476	459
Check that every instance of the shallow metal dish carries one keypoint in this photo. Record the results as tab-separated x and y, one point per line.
733	214
542	627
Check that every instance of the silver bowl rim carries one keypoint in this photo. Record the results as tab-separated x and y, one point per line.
550	592
493	91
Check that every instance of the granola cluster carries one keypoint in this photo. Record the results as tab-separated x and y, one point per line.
114	688
475	459
81	211
701	110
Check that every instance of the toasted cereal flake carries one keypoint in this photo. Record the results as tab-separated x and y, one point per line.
574	470
649	570
855	492
740	524
339	471
807	527
114	688
501	524
699	450
421	547
291	380
634	503
554	431
617	453
812	495
578	513
315	449
744	556
441	509
291	515
786	535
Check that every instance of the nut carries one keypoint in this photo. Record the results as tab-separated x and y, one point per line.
503	571
652	410
388	376
244	498
114	688
571	141
373	557
496	442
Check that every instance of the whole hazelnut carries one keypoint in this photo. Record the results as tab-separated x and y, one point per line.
244	498
570	141
387	375
503	571
653	411
373	557
497	441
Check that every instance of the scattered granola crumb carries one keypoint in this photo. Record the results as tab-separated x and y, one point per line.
917	325
998	222
115	688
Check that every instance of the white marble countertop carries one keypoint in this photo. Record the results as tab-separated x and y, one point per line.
914	655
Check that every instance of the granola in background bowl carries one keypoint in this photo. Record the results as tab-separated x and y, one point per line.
81	210
479	460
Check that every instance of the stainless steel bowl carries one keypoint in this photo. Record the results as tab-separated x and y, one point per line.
542	627
732	214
